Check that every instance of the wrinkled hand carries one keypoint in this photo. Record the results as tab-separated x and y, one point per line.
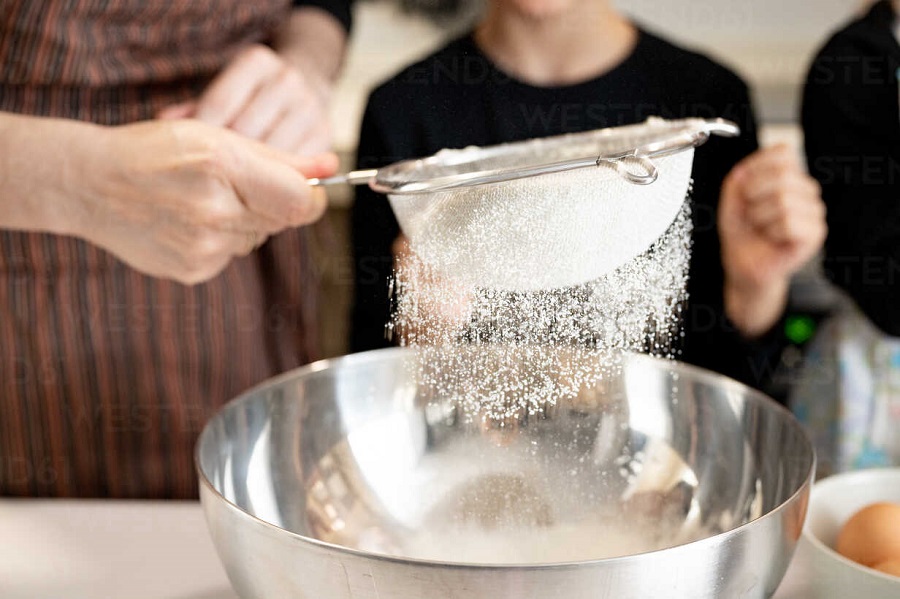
180	199
262	96
771	223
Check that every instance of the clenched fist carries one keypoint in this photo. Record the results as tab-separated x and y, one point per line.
771	223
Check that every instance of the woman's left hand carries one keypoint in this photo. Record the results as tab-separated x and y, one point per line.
263	96
771	223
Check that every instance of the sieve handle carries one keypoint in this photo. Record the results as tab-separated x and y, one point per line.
351	178
649	175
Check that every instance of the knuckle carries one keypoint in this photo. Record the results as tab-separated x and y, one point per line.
200	211
758	213
783	200
182	137
207	245
210	159
259	53
290	77
793	229
815	186
214	213
212	166
187	260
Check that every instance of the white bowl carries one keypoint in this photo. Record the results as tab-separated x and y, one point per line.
832	502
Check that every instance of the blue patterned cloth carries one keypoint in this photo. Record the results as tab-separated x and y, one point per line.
849	395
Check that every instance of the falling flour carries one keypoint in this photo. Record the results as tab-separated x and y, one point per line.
501	355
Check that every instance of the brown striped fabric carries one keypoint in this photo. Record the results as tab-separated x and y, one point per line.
107	376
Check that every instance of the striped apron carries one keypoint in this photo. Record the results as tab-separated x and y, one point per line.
106	375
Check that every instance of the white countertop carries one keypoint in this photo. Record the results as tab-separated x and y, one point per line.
107	549
55	549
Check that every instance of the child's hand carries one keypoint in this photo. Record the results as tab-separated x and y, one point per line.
771	223
436	309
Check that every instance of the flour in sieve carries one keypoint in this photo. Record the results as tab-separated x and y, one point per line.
503	355
546	232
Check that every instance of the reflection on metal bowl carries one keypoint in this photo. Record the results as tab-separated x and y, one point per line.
339	481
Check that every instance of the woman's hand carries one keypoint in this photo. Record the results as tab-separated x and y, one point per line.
264	97
771	223
180	199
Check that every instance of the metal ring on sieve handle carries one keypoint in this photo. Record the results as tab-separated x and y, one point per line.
650	174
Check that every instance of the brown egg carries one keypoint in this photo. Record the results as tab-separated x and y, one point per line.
872	535
891	566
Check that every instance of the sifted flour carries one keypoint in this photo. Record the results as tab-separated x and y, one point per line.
636	307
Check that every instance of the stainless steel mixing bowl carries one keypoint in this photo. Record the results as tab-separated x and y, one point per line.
340	481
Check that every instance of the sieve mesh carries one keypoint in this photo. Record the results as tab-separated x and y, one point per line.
544	232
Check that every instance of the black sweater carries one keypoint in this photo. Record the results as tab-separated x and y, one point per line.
457	97
851	119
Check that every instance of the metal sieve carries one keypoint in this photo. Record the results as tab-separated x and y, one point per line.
539	214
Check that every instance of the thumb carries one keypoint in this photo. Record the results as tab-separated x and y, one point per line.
182	110
315	166
319	166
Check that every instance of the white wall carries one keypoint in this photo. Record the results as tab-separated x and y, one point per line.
772	21
769	42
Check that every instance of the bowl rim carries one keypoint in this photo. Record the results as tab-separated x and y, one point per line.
376	355
823	548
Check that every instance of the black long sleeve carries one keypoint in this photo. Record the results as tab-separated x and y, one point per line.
851	121
374	230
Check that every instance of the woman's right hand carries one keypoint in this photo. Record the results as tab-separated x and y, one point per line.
181	199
